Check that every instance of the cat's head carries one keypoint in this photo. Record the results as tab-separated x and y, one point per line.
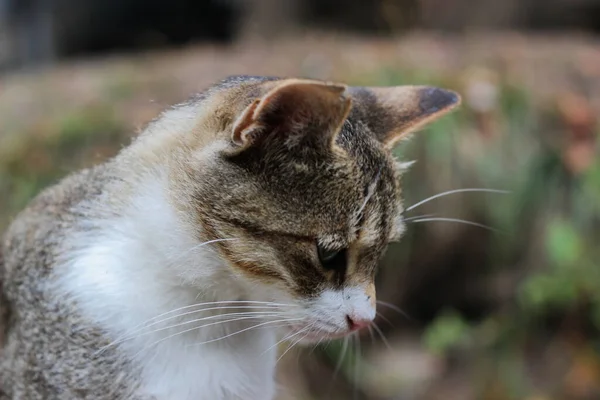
301	177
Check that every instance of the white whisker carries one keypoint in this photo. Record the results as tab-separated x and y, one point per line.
212	340
195	247
371	334
252	314
288	338
395	308
210	303
130	333
245	315
383	317
356	361
338	365
383	338
245	330
370	192
461	221
417	217
307	330
189	330
316	345
285	338
455	191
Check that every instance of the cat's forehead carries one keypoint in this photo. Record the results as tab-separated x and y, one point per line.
305	153
355	197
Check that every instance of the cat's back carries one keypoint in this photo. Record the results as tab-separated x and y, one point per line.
55	359
35	236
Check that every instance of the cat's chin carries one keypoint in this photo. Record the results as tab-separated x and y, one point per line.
299	336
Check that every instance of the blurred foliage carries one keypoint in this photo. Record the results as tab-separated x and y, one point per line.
547	230
445	332
31	160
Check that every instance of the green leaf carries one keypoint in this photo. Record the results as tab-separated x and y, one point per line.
447	331
563	243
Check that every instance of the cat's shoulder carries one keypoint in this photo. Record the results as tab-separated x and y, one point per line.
39	230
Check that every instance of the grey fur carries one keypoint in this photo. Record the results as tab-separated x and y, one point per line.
49	346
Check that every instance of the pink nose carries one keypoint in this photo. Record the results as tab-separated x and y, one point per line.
355	323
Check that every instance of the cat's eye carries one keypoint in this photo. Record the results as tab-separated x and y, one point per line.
330	259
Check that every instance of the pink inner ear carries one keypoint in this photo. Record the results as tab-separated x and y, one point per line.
301	100
293	105
244	124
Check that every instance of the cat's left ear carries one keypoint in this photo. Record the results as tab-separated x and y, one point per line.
294	107
394	112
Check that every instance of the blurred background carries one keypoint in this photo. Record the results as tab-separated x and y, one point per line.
470	313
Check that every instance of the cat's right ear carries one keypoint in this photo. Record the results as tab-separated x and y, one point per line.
294	107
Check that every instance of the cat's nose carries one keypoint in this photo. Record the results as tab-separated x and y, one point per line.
355	322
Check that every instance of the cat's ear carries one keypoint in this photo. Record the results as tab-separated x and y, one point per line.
294	107
394	112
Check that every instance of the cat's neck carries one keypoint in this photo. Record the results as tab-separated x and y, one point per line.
146	251
161	293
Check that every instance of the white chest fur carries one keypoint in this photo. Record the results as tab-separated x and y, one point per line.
184	372
144	264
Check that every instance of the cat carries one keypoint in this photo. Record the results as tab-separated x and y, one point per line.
253	213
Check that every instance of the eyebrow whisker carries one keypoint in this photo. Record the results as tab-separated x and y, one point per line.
370	192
